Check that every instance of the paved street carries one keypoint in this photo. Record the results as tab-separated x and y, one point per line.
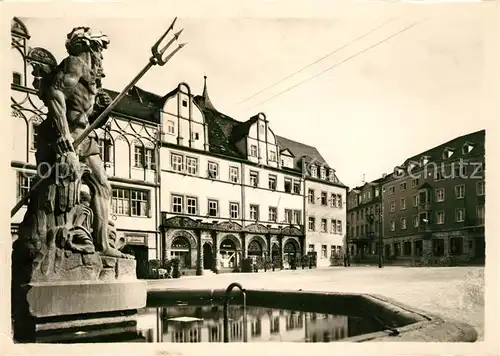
455	292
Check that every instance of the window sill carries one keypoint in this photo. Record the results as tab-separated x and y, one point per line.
142	169
132	216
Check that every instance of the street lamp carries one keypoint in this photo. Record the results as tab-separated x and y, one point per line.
380	243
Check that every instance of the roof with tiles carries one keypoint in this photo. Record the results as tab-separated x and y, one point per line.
435	154
138	103
301	150
220	128
241	130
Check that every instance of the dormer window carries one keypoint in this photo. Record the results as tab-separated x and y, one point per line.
447	153
323	173
466	148
425	160
314	171
330	175
398	171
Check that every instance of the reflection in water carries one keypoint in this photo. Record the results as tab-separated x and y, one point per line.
189	324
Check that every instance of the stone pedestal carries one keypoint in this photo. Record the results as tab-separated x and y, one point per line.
67	288
74	298
70	304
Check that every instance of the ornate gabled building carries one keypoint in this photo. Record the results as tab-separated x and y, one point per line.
434	203
188	181
236	189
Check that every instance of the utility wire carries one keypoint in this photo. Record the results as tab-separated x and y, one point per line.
318	60
337	64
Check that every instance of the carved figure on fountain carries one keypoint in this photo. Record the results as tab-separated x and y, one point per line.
65	233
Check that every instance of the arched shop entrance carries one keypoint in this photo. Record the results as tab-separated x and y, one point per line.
290	251
181	249
275	252
254	250
228	253
208	256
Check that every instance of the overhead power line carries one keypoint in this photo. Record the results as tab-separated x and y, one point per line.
338	64
318	60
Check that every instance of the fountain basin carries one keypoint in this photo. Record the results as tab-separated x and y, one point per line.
196	316
394	321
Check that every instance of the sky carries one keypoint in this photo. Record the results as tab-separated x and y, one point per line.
366	107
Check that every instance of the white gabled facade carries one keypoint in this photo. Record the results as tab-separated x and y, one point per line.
246	189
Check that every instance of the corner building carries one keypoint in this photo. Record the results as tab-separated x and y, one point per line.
434	203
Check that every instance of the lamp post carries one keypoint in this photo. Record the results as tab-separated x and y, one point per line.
347	262
380	243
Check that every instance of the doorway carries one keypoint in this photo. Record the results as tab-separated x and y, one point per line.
255	251
290	252
479	248
275	252
228	253
387	251
181	250
208	256
141	256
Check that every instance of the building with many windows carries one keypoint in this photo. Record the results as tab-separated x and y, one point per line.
364	219
190	182
434	203
324	206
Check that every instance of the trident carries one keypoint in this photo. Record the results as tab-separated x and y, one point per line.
156	59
